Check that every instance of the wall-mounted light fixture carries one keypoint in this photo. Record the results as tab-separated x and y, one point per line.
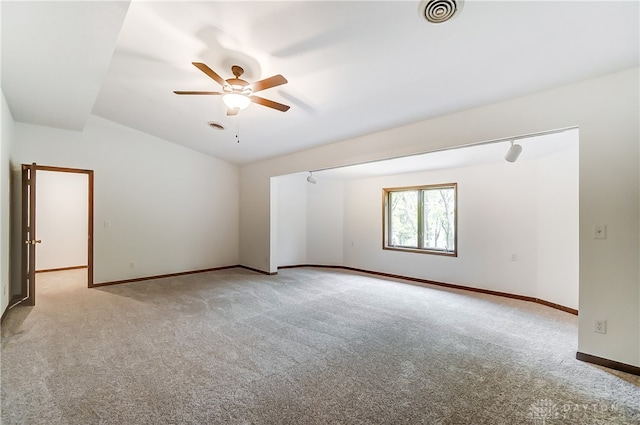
311	179
513	153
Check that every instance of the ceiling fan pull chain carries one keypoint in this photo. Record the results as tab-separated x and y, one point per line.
237	129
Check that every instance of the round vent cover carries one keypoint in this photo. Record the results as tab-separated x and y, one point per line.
215	125
439	11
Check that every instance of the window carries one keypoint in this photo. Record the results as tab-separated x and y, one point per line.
421	219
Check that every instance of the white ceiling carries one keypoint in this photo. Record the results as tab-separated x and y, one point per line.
354	67
55	57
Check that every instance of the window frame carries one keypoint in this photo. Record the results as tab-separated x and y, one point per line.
386	219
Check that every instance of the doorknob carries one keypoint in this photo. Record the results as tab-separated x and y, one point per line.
33	242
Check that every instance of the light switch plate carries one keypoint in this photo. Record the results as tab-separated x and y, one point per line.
600	231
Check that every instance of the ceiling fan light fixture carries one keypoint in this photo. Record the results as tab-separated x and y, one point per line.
236	101
237	94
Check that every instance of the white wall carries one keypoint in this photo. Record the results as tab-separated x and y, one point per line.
607	112
160	206
261	220
309	221
292	219
6	142
557	227
497	217
61	219
325	218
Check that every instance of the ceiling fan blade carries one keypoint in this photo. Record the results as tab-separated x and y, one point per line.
267	83
197	92
269	103
210	72
232	111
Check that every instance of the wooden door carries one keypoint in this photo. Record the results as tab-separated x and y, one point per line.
29	233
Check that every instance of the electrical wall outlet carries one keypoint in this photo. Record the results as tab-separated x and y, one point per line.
600	231
600	326
132	265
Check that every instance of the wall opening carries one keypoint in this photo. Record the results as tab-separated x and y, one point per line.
519	220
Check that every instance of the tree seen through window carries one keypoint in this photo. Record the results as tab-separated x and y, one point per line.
421	218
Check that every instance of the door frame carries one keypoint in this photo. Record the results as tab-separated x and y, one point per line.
28	209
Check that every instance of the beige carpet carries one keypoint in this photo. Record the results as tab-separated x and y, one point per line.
309	346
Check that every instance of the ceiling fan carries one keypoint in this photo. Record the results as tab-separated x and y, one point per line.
236	93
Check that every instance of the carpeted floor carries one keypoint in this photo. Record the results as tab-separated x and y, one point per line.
308	346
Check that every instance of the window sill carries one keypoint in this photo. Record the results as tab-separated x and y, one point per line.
422	251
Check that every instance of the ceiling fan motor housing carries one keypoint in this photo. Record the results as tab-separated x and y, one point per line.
236	85
439	11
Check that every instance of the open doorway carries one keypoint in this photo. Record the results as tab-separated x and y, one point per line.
518	221
58	217
62	221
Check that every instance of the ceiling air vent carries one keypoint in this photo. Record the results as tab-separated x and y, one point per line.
439	11
215	125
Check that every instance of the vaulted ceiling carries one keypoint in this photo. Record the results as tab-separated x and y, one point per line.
354	67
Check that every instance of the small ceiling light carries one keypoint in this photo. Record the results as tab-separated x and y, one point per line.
513	153
236	101
311	179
